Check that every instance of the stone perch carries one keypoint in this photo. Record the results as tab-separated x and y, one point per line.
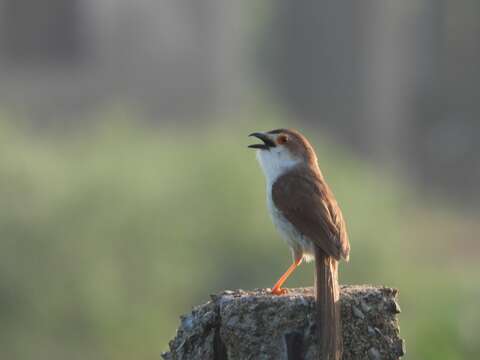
256	325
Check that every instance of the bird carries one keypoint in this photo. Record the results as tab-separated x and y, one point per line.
307	216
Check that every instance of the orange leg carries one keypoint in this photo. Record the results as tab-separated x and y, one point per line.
277	288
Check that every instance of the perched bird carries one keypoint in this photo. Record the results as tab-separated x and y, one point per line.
306	214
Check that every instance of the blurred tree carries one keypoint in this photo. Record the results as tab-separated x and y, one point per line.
396	80
312	58
39	32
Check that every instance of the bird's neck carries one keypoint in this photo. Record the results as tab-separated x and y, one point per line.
273	167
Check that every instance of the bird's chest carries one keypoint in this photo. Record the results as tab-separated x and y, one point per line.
287	230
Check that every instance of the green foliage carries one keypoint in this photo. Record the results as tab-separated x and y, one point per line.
109	235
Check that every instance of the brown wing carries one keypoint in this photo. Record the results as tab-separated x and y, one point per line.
306	201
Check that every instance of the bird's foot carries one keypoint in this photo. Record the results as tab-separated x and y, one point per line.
279	291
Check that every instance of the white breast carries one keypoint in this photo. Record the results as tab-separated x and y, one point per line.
299	244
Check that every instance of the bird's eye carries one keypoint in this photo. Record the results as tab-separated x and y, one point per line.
282	139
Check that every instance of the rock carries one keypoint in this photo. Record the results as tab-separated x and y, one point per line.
364	306
256	325
357	312
374	354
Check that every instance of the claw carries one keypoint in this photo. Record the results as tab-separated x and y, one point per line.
279	291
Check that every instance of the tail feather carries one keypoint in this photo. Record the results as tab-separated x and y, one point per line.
327	295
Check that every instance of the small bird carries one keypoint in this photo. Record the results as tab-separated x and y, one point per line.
306	214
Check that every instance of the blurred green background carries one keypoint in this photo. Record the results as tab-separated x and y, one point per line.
128	194
109	234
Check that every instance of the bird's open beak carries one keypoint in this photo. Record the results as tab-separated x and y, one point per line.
267	142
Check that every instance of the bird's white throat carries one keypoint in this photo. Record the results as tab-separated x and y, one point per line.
275	162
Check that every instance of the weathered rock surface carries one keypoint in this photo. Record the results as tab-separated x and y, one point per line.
256	325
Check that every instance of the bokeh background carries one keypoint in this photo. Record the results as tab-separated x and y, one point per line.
128	194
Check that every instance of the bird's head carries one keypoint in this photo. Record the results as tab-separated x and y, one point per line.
281	150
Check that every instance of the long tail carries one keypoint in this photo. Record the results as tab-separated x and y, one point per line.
327	295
